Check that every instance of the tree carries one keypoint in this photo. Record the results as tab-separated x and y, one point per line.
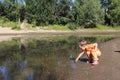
20	5
105	5
40	12
114	12
88	12
13	9
63	11
2	9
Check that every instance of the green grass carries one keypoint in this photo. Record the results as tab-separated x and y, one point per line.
104	27
7	23
99	27
16	25
55	27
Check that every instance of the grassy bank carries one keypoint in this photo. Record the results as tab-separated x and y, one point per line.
16	25
99	27
104	27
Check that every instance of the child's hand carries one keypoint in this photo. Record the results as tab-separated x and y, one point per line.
75	61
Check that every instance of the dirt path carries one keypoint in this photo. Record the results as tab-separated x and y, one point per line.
108	69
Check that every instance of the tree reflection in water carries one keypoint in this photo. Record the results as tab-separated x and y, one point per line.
4	72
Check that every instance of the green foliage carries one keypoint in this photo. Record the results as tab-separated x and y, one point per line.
55	27
12	10
40	12
64	20
63	11
105	27
8	48
114	12
72	26
87	12
4	22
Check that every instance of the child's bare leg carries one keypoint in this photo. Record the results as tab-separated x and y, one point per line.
95	58
90	60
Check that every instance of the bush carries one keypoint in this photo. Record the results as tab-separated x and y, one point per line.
64	20
90	24
3	20
17	26
72	26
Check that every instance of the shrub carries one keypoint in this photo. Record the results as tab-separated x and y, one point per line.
72	26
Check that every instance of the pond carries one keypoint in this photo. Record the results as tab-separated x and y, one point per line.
41	58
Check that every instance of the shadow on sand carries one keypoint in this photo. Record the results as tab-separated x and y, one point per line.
83	59
117	51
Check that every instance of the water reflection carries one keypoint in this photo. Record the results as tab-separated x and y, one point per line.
72	60
30	77
4	72
22	65
61	64
40	59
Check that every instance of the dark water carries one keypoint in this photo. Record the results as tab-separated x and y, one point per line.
41	58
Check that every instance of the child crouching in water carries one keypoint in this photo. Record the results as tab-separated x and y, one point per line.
91	50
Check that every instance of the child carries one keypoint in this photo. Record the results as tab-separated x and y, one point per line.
91	50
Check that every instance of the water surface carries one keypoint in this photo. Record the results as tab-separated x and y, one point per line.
41	58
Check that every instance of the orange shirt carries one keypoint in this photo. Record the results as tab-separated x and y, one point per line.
90	47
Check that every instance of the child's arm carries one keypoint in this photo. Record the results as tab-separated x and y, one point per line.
79	56
96	46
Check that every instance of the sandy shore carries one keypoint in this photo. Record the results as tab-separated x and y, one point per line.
9	31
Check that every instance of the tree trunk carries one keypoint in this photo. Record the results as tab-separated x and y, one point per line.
23	25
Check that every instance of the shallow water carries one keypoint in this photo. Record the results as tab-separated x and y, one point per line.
41	58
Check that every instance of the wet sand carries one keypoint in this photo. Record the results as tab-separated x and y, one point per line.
108	69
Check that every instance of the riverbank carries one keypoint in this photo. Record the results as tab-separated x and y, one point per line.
8	34
9	31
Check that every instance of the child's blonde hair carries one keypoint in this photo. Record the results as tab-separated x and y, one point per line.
83	42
